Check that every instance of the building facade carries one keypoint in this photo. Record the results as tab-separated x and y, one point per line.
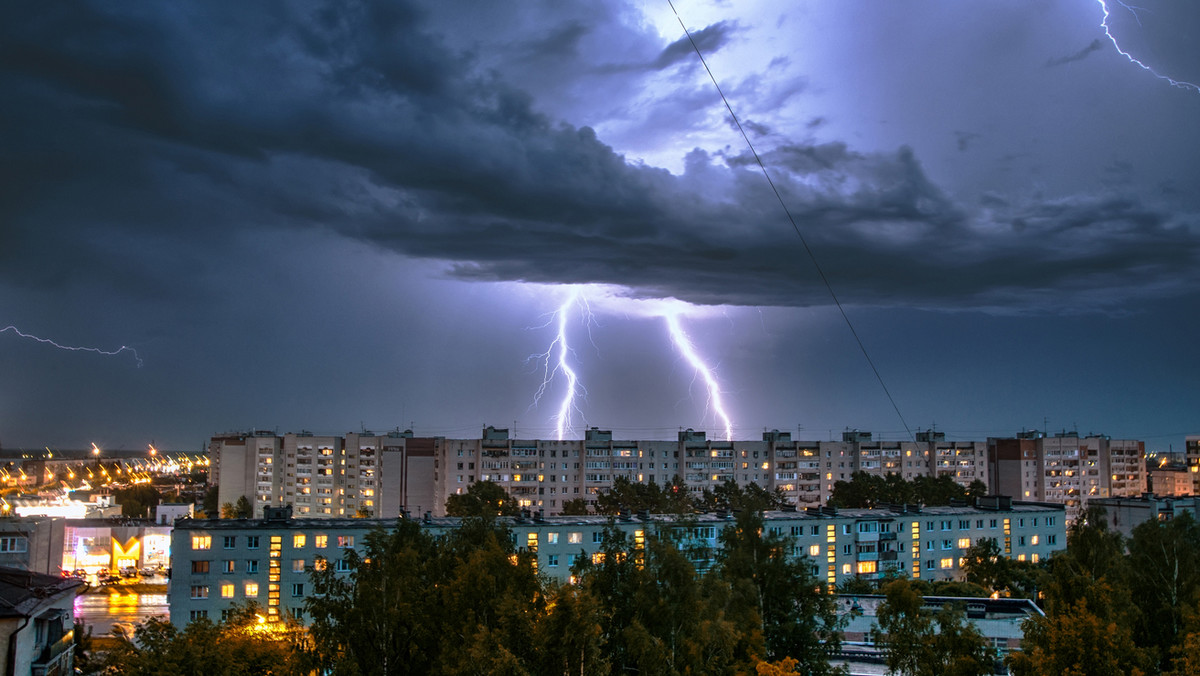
217	562
1125	514
1065	468
371	475
37	622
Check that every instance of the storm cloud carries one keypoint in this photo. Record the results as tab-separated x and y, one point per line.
147	133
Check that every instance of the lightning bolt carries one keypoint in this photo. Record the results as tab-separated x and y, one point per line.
554	361
1104	24
703	371
107	353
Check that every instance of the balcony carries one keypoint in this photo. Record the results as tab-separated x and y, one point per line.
56	657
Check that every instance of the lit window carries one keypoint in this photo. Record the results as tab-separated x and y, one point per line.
345	541
551	538
320	541
297	565
845	569
575	537
947	563
251	590
1035	558
230	566
227	591
1020	557
1033	540
298	540
866	567
201	541
814	550
964	543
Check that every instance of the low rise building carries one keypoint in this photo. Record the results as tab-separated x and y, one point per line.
1125	514
216	562
37	622
998	620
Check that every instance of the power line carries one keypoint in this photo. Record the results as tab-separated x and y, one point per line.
792	220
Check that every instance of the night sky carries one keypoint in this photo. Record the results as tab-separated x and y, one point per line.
330	216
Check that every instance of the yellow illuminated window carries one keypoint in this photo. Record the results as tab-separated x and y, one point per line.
866	567
531	541
598	558
947	563
201	541
1033	540
320	541
963	543
814	550
227	591
298	540
319	563
1020	557
575	537
251	589
1035	558
845	569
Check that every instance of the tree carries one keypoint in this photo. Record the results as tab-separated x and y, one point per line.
1164	577
380	618
795	617
918	642
210	504
483	498
729	496
574	507
137	500
237	645
1078	642
242	509
228	511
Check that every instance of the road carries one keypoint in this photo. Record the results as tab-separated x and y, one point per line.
101	609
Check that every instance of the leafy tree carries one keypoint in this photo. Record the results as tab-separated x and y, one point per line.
242	508
380	618
137	500
570	638
210	503
866	491
732	497
228	511
794	616
629	496
1164	577
483	498
918	642
574	507
1078	642
237	645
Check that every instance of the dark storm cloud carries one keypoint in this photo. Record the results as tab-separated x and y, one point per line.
1093	46
148	134
707	40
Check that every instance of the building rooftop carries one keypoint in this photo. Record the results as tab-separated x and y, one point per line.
22	591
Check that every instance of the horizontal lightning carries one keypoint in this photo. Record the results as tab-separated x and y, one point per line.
96	350
1104	24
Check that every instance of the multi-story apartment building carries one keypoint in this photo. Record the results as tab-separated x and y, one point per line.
374	475
1192	459
326	476
217	562
1066	468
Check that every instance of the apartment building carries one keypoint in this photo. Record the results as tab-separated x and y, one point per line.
326	476
217	562
1192	459
381	475
1065	468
